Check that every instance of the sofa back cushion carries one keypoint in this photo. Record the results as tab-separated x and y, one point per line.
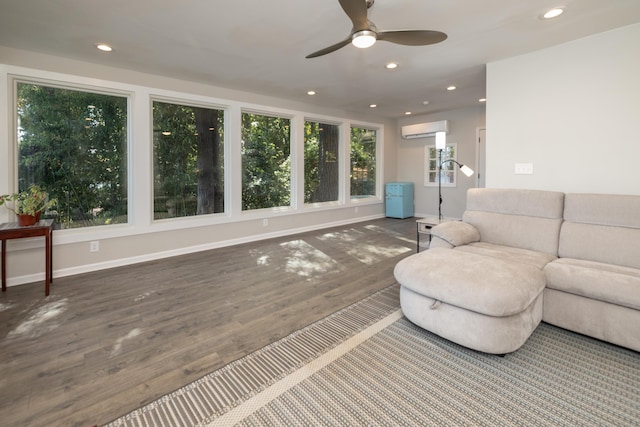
528	219
603	228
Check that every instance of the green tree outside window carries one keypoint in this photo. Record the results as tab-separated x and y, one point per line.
321	165
188	157
363	162
266	161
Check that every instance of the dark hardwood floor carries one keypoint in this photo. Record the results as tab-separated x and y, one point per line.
105	343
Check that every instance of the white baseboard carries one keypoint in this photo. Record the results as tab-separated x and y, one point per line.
87	268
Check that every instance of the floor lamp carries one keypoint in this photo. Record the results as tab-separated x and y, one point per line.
441	144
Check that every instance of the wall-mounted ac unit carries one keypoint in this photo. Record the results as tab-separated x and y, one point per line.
423	130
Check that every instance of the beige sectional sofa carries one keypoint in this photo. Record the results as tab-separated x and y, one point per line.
519	257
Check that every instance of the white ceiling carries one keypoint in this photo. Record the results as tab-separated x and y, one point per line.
260	46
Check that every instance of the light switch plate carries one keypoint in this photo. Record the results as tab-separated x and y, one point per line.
524	169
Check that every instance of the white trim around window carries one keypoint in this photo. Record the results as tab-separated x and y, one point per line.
140	156
431	161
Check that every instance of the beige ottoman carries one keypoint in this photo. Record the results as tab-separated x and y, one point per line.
481	302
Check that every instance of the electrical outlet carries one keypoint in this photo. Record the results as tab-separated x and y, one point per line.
265	222
523	169
94	246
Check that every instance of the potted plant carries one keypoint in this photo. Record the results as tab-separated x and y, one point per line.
29	204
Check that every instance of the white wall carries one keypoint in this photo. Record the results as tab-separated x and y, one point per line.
143	239
573	111
463	124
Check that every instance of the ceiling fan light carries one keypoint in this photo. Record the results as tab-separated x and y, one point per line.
363	39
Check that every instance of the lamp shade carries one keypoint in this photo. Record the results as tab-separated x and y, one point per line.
466	170
441	140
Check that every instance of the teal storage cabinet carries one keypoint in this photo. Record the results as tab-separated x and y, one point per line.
398	199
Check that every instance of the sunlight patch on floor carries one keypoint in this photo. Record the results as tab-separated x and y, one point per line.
40	320
350	235
305	260
142	296
263	260
117	347
370	254
354	243
388	232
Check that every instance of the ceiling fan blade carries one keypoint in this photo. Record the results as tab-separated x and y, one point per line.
356	10
330	49
412	37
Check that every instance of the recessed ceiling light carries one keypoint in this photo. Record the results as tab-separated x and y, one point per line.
552	13
373	105
407	113
391	65
311	92
104	47
482	100
451	88
425	102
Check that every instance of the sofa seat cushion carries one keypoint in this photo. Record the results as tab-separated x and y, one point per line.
483	284
508	253
604	282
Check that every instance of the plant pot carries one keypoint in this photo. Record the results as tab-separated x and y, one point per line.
26	220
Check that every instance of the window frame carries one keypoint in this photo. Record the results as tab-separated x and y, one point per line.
427	165
14	79
341	161
189	102
377	196
293	160
139	153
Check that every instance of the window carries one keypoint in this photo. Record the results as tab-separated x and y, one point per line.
266	162
321	166
363	162
432	160
188	160
73	144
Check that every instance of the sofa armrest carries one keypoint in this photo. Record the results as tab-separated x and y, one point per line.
456	233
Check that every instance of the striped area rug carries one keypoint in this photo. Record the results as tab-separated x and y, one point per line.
217	393
389	372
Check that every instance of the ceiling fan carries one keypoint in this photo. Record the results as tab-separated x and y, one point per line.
364	33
